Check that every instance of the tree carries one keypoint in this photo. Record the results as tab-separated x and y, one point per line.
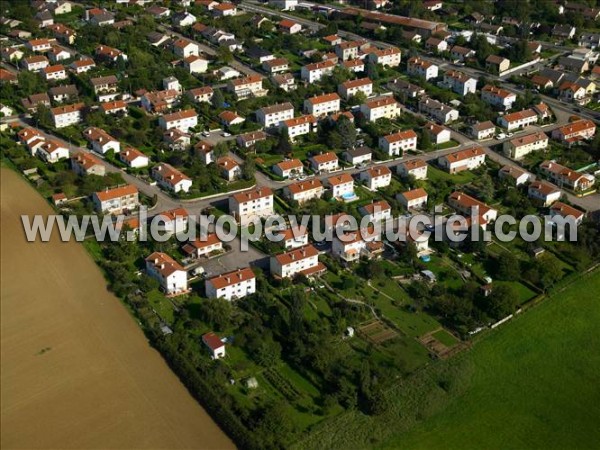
249	169
284	146
482	47
425	140
357	99
502	301
217	99
372	71
508	267
347	132
224	54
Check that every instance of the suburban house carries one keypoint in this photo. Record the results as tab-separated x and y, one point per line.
517	175
101	141
205	151
168	272
460	83
107	84
347	50
229	118
460	54
304	191
303	260
195	64
519	119
354	65
232	285
183	19
230	169
356	156
352	87
35	63
416	168
32	102
340	185
468	159
109	54
248	140
437	133
466	205
288	26
63	116
284	5
324	162
563	210
294	237
114	107
483	130
168	177
82	65
355	244
203	246
315	71
288	168
39	45
496	64
174	220
322	105
564	177
200	95
224	9
249	205
397	143
276	65
133	158
567	91
85	164
575	131
58	54
418	67
272	116
376	177
285	81
518	147
118	200
251	86
416	198
381	107
182	120
299	126
544	192
52	151
215	345
436	45
379	211
53	73
389	57
438	111
176	140
184	47
498	97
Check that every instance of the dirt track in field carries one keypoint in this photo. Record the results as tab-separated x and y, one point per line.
76	370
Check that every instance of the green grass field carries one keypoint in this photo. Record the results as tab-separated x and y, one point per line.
534	383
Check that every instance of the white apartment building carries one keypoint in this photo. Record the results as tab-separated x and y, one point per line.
168	272
117	200
325	162
303	260
468	159
64	116
315	71
352	87
376	177
575	131
232	285
347	50
249	205
397	143
201	94
322	105
182	120
517	148
418	67
272	116
416	168
386	57
460	83
304	191
299	126
381	107
251	86
519	119
498	97
341	184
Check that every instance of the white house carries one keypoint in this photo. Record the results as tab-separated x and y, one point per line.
87	164
174	220
299	126
215	345
460	83
560	209
182	120
284	5
467	159
168	177
315	71
341	184
251	86
117	200
386	57
272	116
519	119
575	131
203	246
321	105
416	198
516	174
52	151
518	147
377	177
195	64
288	168
201	95
498	97
416	168
418	67
184	48
303	260
230	169
304	191
483	130
133	158
397	143
325	162
440	112
360	155
64	116
101	141
249	205
294	237
35	63
168	272
381	107
465	204
352	87
224	9
544	192
355	244
232	285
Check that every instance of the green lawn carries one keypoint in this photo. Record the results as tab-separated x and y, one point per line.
445	338
522	291
534	383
